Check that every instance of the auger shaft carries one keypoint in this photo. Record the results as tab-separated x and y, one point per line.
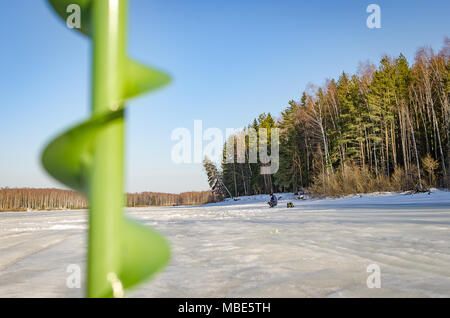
106	176
89	157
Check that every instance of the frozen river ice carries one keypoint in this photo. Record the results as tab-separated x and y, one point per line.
320	248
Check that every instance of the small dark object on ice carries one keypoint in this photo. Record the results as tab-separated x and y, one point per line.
290	205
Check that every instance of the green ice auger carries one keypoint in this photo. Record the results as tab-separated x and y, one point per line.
90	157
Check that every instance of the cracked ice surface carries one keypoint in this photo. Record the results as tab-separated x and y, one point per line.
320	248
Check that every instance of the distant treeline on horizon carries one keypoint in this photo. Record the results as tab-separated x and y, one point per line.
23	199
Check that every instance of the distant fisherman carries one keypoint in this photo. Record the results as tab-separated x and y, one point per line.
273	200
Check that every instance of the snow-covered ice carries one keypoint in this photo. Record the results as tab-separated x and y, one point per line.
320	248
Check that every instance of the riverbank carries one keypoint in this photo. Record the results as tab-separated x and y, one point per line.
433	195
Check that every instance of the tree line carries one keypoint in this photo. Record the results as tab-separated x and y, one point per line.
23	199
385	128
169	199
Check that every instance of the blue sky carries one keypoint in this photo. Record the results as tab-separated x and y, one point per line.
230	60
